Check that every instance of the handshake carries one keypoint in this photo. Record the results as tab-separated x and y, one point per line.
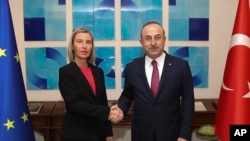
115	114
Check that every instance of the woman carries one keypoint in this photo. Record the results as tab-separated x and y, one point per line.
82	87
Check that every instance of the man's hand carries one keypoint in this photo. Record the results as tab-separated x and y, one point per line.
116	114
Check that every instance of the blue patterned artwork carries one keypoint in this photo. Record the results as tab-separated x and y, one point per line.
189	20
105	59
42	66
44	20
197	58
135	13
128	54
95	15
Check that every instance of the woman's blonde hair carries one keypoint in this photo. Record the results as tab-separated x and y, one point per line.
71	54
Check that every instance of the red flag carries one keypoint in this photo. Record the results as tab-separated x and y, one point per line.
234	100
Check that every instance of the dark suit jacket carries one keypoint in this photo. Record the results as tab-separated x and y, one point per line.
86	115
167	114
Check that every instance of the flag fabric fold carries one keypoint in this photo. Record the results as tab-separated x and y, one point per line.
234	100
15	120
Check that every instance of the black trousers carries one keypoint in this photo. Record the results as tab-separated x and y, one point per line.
154	136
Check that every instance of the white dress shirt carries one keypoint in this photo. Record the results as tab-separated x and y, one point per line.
149	67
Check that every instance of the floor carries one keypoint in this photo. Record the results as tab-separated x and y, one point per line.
122	134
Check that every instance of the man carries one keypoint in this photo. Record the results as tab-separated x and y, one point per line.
168	114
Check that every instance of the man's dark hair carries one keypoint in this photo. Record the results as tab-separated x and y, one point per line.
151	22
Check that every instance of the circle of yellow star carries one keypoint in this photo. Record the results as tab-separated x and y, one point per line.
9	124
2	52
17	57
24	117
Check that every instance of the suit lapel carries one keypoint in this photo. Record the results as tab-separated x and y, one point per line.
82	79
97	78
142	73
166	68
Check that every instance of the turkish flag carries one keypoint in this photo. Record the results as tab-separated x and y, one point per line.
234	101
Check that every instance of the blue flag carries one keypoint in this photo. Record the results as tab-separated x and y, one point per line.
15	120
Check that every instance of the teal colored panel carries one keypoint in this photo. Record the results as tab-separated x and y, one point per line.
105	59
200	8
53	10
86	23
55	29
128	54
180	10
55	20
130	26
49	4
144	21
178	29
198	59
42	65
135	13
82	9
33	8
54	16
104	29
151	9
97	16
104	23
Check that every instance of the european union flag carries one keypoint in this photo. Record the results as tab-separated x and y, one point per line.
15	120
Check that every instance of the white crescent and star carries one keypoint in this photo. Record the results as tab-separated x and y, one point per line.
239	39
247	94
225	87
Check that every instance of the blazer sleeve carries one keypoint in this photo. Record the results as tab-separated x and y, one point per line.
109	129
126	98
187	103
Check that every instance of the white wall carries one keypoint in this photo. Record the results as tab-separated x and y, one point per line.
222	14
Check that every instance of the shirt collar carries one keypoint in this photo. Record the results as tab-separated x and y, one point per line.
159	60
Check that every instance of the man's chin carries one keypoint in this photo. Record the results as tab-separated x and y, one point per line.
154	54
